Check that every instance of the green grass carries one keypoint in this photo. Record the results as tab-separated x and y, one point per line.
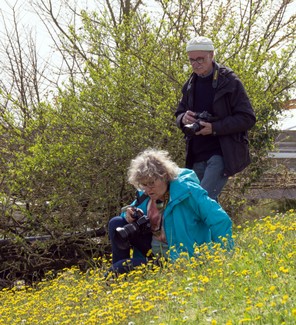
254	285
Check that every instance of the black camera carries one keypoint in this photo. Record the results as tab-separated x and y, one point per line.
191	129
140	225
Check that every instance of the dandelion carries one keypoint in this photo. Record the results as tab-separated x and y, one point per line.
244	320
260	241
283	269
259	289
280	237
285	299
245	272
203	279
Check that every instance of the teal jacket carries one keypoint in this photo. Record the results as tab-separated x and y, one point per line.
191	218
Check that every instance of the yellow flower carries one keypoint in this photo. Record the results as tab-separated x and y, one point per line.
244	320
203	279
245	272
285	299
260	242
280	237
284	270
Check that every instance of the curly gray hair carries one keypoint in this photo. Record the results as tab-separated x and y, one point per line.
152	164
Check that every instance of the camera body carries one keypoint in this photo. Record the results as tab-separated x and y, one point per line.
141	225
191	129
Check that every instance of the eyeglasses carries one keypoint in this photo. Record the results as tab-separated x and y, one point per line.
150	184
198	60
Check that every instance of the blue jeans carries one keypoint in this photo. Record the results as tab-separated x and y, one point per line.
210	174
121	259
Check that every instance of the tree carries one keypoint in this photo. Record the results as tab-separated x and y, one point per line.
65	157
255	38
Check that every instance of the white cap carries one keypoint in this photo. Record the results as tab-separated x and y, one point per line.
200	43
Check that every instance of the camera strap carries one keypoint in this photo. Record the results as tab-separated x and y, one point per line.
215	75
140	198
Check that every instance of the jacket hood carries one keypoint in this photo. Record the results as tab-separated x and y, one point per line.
181	186
223	70
186	175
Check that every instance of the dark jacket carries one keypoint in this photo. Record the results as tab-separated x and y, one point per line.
235	117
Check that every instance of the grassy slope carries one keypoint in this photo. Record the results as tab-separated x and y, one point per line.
254	285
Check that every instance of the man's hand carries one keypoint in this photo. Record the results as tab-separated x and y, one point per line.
189	117
206	130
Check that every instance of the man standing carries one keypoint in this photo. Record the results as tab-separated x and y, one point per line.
219	147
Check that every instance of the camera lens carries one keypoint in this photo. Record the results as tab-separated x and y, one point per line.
127	231
123	234
191	129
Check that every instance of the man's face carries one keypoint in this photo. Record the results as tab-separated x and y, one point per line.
201	61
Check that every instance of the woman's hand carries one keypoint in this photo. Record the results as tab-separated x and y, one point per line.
129	215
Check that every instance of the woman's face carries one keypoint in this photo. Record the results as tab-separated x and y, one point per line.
156	188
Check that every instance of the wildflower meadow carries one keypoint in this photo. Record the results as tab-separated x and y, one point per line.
255	284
